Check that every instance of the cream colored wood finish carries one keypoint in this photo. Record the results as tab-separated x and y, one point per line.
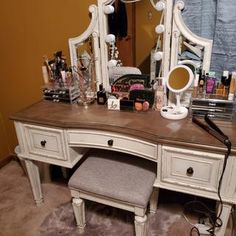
174	146
112	141
56	149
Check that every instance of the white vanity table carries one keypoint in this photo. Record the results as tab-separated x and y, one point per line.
58	133
188	159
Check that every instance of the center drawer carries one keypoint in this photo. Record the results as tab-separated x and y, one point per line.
111	141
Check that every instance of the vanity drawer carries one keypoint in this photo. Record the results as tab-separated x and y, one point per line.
191	169
45	141
111	141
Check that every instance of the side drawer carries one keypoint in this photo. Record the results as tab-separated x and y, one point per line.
191	169
108	140
44	141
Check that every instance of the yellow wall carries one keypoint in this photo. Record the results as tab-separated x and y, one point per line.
29	30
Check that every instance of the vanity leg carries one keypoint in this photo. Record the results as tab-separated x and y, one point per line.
154	200
33	174
224	217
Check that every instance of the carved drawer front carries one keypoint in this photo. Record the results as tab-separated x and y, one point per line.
187	168
45	141
111	141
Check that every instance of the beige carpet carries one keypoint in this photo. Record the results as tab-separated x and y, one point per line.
20	216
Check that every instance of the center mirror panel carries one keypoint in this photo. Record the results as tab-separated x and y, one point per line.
133	25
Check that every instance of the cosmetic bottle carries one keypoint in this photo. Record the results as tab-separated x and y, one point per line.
232	87
210	84
201	84
159	95
195	85
101	95
225	80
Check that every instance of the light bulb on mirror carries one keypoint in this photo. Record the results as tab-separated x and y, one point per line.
158	55
160	6
112	63
179	79
109	9
160	29
110	38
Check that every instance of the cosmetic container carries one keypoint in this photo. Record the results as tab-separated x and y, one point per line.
159	95
101	95
210	84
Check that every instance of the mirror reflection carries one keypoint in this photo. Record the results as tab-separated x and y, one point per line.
133	25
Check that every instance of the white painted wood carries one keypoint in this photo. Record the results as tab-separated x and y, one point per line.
33	174
206	168
103	31
99	139
52	138
224	217
75	42
140	225
56	150
108	201
167	37
173	161
92	31
154	200
79	212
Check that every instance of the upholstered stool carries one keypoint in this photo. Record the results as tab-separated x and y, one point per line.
115	179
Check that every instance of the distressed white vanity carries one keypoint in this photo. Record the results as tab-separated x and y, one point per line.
188	159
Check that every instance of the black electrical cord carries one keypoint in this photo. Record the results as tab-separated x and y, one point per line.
217	133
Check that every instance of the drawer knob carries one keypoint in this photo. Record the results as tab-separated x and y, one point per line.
43	143
110	142
190	171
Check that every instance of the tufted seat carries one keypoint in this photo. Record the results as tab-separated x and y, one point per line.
116	179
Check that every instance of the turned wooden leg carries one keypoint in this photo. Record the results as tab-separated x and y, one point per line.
224	217
140	225
79	212
33	174
154	200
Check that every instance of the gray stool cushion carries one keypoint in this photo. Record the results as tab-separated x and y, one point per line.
116	175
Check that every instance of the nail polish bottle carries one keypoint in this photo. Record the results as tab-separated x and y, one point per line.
101	95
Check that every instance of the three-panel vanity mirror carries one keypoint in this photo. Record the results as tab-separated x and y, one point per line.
172	42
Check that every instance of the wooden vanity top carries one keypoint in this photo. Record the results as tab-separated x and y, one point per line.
149	126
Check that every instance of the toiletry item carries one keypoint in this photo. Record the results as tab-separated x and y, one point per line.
159	95
195	85
45	74
210	84
225	80
101	95
201	84
232	87
145	105
219	89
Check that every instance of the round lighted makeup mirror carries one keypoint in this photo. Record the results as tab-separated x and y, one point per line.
178	80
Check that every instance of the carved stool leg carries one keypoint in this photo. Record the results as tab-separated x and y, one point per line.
154	200
140	225
79	212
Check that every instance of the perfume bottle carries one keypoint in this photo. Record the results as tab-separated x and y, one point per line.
225	80
202	81
101	95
